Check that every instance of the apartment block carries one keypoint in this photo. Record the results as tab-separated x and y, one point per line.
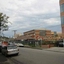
39	34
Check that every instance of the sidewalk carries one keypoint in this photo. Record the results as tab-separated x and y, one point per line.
4	60
56	49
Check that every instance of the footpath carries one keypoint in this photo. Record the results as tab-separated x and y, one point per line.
56	49
4	60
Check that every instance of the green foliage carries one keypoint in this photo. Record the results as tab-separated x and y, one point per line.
3	22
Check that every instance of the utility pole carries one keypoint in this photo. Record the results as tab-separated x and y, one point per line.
14	32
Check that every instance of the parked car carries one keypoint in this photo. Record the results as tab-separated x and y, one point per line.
19	44
10	49
61	44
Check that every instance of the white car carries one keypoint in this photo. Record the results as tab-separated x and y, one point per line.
19	44
10	49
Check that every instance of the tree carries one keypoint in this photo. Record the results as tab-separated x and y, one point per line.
3	22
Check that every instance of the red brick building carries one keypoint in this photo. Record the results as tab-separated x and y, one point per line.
47	35
39	34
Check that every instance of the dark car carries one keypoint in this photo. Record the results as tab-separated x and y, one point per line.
61	44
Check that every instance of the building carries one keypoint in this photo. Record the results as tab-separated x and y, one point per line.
61	35
35	34
62	14
17	35
39	34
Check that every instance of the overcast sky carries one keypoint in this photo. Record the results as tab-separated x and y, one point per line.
26	15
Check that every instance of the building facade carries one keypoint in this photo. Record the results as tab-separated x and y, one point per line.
62	14
35	34
39	34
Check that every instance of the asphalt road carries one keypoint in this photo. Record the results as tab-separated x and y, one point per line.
34	56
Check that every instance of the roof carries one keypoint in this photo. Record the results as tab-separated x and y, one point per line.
24	37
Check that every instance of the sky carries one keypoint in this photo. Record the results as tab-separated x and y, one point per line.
25	15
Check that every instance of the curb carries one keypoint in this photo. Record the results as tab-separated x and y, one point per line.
54	51
34	48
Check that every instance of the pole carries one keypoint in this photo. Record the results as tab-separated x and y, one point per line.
14	32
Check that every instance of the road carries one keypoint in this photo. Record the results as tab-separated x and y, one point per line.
34	56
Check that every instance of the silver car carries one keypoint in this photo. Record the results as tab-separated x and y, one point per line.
9	50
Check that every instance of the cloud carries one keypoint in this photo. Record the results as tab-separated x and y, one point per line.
31	14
